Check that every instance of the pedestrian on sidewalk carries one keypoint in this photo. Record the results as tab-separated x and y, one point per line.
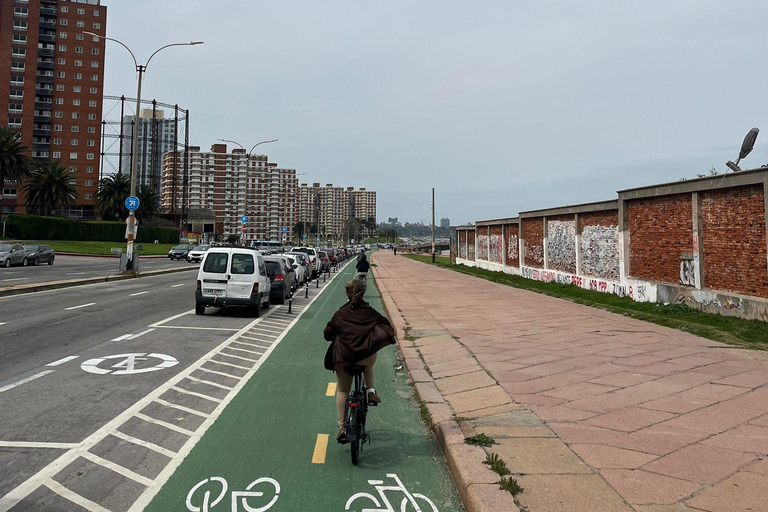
394	250
356	332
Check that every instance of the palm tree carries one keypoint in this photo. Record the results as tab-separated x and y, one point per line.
49	187
111	196
15	163
149	203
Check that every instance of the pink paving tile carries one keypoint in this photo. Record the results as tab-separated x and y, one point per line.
630	419
725	415
717	392
624	379
545	383
760	466
535	399
603	403
622	352
746	438
589	361
537	359
700	463
580	433
677	404
603	457
662	369
503	366
580	390
750	379
689	379
560	413
639	360
697	360
728	368
604	369
640	487
762	421
744	491
547	369
657	439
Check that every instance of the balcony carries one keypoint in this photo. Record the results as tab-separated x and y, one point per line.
48	11
43	92
44	79
42	64
47	23
47	52
40	131
47	38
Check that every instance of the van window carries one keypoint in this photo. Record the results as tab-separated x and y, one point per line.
262	267
216	263
242	264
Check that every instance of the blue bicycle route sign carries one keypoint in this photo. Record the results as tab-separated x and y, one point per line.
132	203
243	219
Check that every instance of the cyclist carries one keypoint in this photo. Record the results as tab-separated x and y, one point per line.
356	332
362	268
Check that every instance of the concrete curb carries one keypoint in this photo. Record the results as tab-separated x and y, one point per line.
477	484
39	287
84	255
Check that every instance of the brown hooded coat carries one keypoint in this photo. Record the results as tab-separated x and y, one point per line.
356	331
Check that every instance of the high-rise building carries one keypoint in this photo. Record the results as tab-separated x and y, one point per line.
233	185
156	138
51	88
330	207
445	222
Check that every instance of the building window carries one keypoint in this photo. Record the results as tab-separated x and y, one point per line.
81	11
73	156
57	142
78	63
14	121
20	25
81	24
92	103
91	129
62	35
76	102
75	115
62	22
76	88
94	90
72	168
79	37
15	107
59	101
88	183
96	13
17	79
62	61
95	78
17	93
87	196
57	128
78	76
62	47
59	114
90	156
89	170
94	63
19	52
19	38
17	65
21	11
74	142
94	51
91	143
92	117
78	49
97	26
75	129
64	9
57	154
61	74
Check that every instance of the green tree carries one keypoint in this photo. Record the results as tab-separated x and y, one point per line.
149	204
110	198
15	163
49	187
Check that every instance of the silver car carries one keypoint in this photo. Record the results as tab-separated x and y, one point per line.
12	254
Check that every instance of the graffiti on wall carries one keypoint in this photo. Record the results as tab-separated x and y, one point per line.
561	244
482	247
471	246
533	253
716	303
513	248
687	273
495	249
463	244
637	292
600	251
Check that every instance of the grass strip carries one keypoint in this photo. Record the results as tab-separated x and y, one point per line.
752	334
101	248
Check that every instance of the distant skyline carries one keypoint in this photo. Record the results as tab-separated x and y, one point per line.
501	106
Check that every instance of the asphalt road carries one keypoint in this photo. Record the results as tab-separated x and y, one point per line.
77	267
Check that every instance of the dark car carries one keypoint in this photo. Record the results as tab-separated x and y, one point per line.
180	252
37	254
282	278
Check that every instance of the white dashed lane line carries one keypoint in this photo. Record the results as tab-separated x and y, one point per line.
62	361
81	306
24	381
177	285
138	293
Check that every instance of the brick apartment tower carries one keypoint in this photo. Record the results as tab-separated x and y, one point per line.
51	88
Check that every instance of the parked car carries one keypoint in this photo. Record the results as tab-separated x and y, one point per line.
289	268
197	253
314	259
281	277
325	260
301	271
179	252
37	254
13	254
303	260
232	276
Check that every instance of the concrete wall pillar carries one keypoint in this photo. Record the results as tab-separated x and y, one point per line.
477	238
623	239
577	223
504	245
544	243
765	214
698	254
521	245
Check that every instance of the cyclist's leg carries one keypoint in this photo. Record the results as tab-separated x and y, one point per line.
343	385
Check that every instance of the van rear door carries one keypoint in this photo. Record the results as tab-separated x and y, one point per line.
242	275
214	273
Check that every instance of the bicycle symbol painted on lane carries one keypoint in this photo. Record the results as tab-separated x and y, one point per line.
126	364
200	498
417	502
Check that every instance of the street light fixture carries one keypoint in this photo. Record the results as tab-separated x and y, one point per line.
140	68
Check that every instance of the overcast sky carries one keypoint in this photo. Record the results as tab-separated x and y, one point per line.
503	106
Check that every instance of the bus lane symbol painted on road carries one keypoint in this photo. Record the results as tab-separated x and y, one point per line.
126	364
201	501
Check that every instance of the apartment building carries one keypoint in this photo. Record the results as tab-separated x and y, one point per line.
330	207
233	184
51	88
157	136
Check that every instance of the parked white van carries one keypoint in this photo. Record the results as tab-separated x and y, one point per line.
232	276
314	259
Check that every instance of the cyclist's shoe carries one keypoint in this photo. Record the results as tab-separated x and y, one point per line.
341	437
373	398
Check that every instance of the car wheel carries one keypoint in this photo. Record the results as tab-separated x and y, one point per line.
281	299
36	262
256	310
7	263
24	262
51	262
199	309
265	305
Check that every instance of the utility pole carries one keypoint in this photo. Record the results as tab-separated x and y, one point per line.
433	225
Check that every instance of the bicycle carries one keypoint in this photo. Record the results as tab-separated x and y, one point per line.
356	411
385	505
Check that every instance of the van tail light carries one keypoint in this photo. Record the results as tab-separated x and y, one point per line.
280	277
255	288
199	285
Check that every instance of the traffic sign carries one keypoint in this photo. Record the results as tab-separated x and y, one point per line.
244	228
284	230
243	219
132	203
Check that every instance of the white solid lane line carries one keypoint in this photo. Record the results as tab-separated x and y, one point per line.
15	279
62	361
123	337
3	323
24	381
76	273
81	306
138	293
142	333
177	285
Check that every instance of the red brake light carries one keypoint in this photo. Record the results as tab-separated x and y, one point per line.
279	277
255	288
199	285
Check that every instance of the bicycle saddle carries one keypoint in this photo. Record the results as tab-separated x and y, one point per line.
354	369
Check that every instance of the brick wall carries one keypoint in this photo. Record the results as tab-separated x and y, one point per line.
471	245
482	243
561	243
660	232
600	244
512	233
733	240
462	244
495	254
533	241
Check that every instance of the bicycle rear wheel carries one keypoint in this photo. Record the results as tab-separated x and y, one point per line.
353	434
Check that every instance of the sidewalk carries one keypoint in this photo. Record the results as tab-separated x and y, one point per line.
592	411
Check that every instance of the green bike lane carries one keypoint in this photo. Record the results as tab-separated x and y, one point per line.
274	429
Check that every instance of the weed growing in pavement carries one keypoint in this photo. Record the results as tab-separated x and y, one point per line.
408	335
496	464
510	484
460	419
426	417
480	440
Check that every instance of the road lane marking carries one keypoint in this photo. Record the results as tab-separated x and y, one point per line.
117	469
142	333
194	393
146	444
229	364
27	444
24	381
81	306
3	323
209	383
331	389
194	328
240	357
246	351
62	361
72	496
180	407
138	293
177	285
169	426
321	447
15	279
123	337
206	370
174	317
76	273
254	345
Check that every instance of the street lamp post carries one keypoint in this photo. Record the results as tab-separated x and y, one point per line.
131	221
433	225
